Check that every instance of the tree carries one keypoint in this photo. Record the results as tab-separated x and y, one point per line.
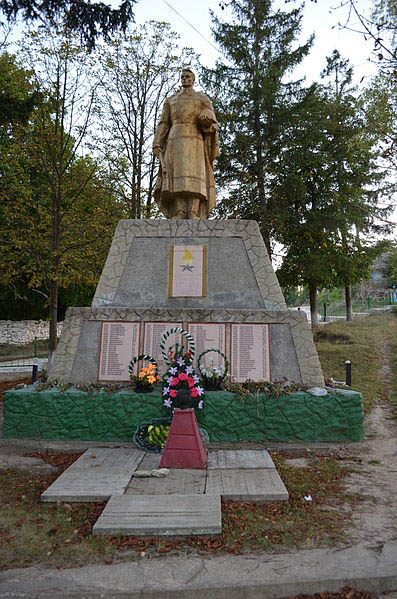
137	73
331	190
380	99
255	105
89	19
53	232
391	267
380	26
18	94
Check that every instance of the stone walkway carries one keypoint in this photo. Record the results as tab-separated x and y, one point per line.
182	502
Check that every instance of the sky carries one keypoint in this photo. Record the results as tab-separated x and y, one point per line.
320	18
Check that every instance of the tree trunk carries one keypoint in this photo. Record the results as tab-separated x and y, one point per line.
53	314
313	304
348	300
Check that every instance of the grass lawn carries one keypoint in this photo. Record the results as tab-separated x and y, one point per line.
363	342
59	535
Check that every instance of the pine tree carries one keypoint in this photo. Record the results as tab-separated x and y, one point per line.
330	190
255	103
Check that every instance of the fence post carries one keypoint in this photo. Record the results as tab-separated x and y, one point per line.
348	373
325	312
35	347
34	373
369	303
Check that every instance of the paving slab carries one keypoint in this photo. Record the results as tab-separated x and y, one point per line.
253	484
120	458
74	486
162	515
237	458
177	482
95	476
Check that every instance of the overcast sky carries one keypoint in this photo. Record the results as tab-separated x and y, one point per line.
319	18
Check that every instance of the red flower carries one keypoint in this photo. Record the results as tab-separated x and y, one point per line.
190	381
173	393
174	382
182	376
194	392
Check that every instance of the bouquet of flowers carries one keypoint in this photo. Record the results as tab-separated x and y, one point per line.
146	378
181	388
213	375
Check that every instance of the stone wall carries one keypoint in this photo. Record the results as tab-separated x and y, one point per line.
19	332
337	416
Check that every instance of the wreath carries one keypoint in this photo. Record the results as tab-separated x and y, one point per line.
212	376
143	382
181	384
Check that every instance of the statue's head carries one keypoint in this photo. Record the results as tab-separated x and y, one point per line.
187	78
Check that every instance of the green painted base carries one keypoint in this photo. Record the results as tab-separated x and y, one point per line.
74	414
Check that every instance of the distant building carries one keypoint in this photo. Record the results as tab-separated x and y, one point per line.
378	278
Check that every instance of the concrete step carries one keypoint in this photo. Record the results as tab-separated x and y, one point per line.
161	515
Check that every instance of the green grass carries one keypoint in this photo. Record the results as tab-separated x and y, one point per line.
360	341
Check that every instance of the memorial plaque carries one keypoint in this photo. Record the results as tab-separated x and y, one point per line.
250	352
153	332
119	344
209	336
187	271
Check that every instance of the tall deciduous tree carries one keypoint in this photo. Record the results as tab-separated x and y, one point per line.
255	104
137	73
62	212
18	94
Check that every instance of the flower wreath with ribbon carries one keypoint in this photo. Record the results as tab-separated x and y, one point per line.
212	375
147	376
181	384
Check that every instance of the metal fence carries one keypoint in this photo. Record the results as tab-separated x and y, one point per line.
24	358
358	306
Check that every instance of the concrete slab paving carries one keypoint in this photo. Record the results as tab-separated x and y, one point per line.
103	472
177	482
221	459
265	576
84	487
95	476
253	484
120	458
162	515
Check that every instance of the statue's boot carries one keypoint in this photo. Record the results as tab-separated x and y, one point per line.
193	210
180	214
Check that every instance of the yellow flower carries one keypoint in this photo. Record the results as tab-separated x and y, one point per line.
151	379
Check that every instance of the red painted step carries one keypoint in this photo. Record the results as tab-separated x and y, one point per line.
184	447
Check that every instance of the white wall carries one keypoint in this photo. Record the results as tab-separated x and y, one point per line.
19	332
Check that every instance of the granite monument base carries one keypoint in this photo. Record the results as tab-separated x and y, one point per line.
236	286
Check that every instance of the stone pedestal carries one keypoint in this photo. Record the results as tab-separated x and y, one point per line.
241	287
184	447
